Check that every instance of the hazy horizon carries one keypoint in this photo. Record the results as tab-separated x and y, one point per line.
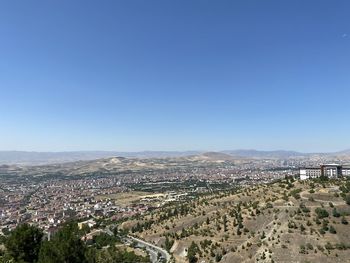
174	151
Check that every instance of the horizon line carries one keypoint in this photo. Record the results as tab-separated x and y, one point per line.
174	151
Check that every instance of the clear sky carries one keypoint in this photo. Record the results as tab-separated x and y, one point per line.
174	75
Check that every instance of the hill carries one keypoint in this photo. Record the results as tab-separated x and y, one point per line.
45	158
281	154
281	222
212	157
41	158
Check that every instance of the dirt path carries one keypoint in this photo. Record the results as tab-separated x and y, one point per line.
325	202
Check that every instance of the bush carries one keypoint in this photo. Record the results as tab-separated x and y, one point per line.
321	213
328	246
218	257
335	212
309	246
332	230
344	221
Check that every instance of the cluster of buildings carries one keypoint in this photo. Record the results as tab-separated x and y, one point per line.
326	170
49	204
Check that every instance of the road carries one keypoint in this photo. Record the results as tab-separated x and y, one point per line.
152	250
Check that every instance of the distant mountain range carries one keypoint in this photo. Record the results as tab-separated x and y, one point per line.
264	154
36	158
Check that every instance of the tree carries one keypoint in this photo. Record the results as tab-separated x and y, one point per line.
192	252
321	213
85	229
347	199
168	243
23	243
65	246
225	223
103	240
114	255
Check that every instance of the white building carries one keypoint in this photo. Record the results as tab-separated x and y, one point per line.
328	170
346	170
310	172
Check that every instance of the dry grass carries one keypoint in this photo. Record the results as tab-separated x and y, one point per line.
280	242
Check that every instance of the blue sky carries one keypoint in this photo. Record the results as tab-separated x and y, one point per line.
174	75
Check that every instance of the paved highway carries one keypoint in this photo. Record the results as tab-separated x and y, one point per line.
153	250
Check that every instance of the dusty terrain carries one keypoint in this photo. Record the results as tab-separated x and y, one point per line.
287	221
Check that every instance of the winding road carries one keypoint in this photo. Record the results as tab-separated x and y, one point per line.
153	251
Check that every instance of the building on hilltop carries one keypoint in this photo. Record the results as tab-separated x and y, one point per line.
310	172
328	170
346	170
